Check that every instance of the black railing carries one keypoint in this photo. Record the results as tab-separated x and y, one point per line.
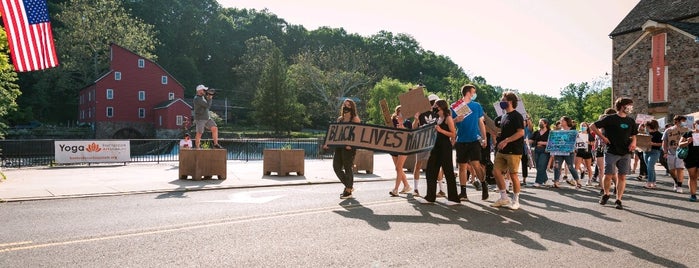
40	152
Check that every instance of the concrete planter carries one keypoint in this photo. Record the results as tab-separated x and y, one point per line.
364	160
283	161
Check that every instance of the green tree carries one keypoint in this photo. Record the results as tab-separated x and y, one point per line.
276	105
388	89
596	102
573	100
325	77
257	53
9	90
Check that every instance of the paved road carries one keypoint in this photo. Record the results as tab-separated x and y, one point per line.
308	225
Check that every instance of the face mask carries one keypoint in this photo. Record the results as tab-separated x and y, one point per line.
346	109
504	105
684	123
583	129
435	110
541	125
629	109
474	96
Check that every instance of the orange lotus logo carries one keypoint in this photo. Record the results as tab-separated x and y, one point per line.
93	148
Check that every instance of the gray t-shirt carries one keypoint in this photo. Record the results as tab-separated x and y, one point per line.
201	108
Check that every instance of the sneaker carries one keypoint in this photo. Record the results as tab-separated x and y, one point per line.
441	194
679	190
477	185
452	203
693	198
424	201
406	190
463	197
416	193
346	195
604	200
514	206
618	205
484	191
537	185
501	202
218	146
393	193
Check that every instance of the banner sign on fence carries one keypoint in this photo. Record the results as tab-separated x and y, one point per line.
561	142
379	138
92	151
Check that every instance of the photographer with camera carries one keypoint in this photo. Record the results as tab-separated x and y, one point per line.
202	120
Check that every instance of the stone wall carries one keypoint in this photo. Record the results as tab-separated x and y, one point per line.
107	130
630	74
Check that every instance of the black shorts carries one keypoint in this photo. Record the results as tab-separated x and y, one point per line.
584	154
467	152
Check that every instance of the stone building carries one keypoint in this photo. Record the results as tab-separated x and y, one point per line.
656	57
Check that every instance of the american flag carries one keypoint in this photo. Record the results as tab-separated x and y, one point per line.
29	34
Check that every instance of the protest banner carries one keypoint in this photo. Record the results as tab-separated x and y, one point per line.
490	125
414	101
581	141
380	138
520	109
561	142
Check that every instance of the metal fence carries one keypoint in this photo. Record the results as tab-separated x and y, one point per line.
40	152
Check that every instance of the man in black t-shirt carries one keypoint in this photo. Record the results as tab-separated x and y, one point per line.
620	136
510	146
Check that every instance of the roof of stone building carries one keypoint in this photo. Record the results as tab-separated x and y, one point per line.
657	10
689	27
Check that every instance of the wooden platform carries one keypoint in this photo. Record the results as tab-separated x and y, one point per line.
203	163
283	161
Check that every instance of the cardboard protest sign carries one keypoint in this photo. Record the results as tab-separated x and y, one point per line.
490	125
643	118
561	142
460	107
413	101
520	109
386	113
380	138
581	141
643	142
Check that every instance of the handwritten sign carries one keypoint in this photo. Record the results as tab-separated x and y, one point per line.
414	101
386	113
561	142
380	138
490	125
520	109
581	141
460	107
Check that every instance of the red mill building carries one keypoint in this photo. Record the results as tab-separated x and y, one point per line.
656	58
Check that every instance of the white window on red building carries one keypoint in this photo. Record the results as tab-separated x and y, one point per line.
179	120
171	96
110	94
141	63
117	75
110	112
163	80
141	113
141	95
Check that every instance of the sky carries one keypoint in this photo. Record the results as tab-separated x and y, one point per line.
537	46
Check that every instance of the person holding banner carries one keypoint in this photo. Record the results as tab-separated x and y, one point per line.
620	136
470	139
441	157
343	159
691	162
651	156
423	119
566	123
510	146
399	159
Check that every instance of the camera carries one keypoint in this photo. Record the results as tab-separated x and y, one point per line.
210	91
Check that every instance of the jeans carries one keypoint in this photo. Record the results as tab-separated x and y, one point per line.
541	159
558	165
651	158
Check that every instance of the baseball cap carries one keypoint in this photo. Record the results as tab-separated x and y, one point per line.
432	97
201	87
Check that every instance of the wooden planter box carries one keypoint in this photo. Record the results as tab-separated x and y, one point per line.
364	160
410	163
202	163
283	161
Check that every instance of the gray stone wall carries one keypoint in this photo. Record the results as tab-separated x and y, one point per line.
630	74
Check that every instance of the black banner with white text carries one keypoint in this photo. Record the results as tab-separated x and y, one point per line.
380	138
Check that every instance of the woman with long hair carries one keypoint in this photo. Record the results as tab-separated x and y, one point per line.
541	156
651	156
398	159
691	162
584	155
566	123
441	157
343	159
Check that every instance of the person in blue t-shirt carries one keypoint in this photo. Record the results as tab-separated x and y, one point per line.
470	138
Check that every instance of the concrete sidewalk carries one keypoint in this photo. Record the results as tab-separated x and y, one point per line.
37	183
